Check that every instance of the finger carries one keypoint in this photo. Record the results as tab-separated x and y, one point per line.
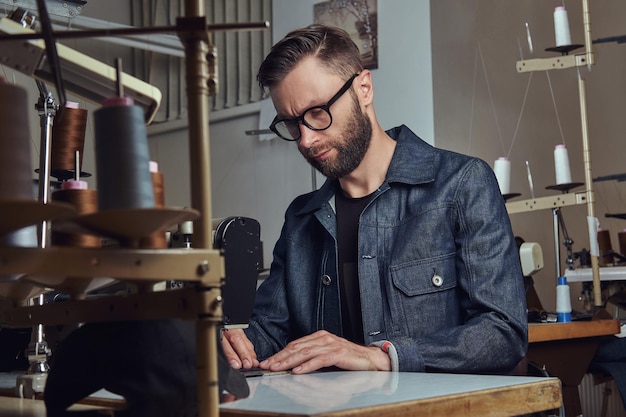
231	356
302	348
245	354
302	357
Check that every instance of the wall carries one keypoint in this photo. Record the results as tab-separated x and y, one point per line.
484	107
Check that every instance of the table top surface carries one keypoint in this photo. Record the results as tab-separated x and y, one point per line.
546	332
397	393
22	407
607	273
341	394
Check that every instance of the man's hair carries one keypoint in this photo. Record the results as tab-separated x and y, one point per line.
330	45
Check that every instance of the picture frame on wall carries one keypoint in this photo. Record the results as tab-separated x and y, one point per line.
357	17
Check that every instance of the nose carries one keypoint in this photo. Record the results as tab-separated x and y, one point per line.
308	137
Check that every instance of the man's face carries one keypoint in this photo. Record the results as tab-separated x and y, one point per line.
339	149
350	143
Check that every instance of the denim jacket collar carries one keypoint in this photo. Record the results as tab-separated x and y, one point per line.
402	169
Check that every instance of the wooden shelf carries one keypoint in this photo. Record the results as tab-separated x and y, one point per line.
546	332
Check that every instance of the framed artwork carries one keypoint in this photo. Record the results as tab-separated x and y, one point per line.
358	18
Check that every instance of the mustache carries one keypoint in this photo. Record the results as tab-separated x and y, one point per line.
310	152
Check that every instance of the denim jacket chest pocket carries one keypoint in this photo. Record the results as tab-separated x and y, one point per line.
425	295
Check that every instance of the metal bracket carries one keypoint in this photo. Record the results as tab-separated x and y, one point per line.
561	62
550	202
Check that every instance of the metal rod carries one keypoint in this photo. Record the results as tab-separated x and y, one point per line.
118	81
197	77
587	31
105	33
47	110
77	165
557	243
595	265
582	94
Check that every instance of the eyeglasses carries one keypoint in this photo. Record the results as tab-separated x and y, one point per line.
315	118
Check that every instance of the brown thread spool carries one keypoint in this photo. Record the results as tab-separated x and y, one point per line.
156	240
621	238
86	202
68	137
16	181
604	244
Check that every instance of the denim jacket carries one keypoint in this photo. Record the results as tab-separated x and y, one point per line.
439	269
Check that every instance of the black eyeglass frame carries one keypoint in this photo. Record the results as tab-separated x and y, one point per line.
300	119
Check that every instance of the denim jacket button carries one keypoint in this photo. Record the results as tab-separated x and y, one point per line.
437	281
326	279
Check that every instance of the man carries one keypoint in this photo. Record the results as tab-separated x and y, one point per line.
403	260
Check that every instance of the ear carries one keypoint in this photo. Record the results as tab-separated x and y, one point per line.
364	87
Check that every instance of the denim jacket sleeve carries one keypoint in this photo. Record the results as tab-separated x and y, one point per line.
473	320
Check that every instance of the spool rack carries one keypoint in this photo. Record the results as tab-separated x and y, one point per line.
201	265
584	59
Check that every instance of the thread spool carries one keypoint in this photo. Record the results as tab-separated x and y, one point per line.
561	27
561	165
604	245
563	301
68	133
122	156
85	201
156	240
502	169
15	156
621	238
15	163
24	238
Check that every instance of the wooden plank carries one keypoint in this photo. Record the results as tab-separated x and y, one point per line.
545	332
24	407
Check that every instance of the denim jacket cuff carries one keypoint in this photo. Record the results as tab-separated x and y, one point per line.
388	347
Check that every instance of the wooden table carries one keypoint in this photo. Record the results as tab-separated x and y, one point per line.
565	350
381	394
22	407
101	398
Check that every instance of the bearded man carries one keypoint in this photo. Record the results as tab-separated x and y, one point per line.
404	260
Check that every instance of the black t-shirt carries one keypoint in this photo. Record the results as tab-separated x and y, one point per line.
348	214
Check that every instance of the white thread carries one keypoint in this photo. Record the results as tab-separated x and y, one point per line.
502	169
521	112
556	110
493	106
561	27
561	165
563	301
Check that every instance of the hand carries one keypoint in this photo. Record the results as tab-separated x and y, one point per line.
238	349
323	349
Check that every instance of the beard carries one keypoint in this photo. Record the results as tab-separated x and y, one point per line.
351	146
